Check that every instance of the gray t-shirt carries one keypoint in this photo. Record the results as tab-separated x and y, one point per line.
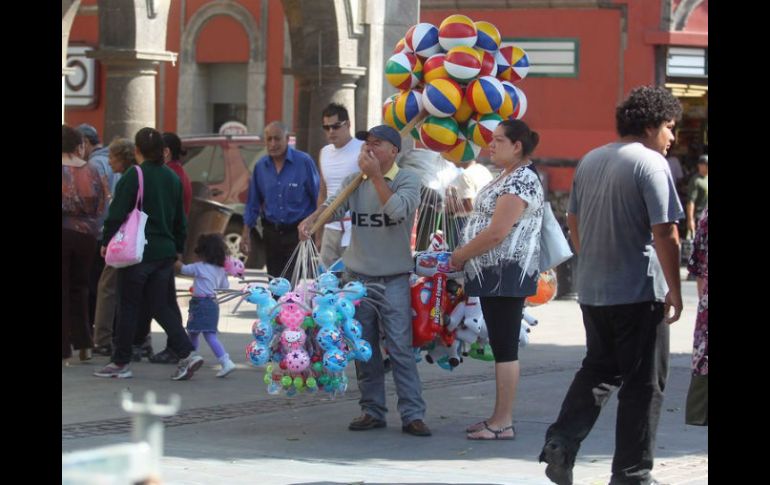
619	192
380	235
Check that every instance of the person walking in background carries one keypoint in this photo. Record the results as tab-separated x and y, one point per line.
337	160
121	158
84	195
98	155
172	154
697	194
147	283
384	206
209	276
499	252
622	219
283	191
697	407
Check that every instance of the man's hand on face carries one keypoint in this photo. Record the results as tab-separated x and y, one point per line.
368	164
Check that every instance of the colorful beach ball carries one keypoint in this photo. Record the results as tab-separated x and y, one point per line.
488	63
433	68
439	134
442	97
488	36
403	70
457	30
422	39
401	46
388	112
522	107
514	65
512	102
484	128
462	63
465	111
463	151
408	104
485	94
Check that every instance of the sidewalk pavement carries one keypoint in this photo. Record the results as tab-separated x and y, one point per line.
230	431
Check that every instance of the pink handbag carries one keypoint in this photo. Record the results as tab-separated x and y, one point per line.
127	245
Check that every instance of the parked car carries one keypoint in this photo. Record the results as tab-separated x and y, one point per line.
219	168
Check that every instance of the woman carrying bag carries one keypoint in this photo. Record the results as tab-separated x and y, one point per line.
147	282
500	257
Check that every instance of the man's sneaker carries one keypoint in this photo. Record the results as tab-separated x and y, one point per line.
227	368
187	367
147	347
114	370
559	469
105	350
165	356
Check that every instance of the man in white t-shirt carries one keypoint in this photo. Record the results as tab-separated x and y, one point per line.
337	160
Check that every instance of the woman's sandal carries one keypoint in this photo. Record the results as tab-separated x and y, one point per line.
496	434
477	427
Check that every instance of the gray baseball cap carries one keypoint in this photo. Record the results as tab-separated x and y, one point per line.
89	132
383	132
704	159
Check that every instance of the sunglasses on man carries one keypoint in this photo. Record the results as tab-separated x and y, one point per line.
335	126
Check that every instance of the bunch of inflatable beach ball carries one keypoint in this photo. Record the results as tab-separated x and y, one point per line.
462	77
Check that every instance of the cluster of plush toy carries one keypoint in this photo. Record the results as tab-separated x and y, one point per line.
304	348
446	323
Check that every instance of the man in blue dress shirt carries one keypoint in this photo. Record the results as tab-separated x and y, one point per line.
283	191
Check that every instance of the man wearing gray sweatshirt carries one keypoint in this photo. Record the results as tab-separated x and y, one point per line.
382	210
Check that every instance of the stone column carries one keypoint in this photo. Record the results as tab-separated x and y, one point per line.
68	10
129	91
335	84
132	41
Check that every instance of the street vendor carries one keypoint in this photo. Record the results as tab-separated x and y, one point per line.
382	210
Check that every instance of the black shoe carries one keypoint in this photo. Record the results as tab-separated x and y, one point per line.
165	356
366	421
416	428
146	349
136	353
559	469
105	350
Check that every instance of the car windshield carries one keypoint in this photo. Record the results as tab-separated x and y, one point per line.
251	155
202	164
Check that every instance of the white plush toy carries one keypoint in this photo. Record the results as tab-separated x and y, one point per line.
445	357
467	321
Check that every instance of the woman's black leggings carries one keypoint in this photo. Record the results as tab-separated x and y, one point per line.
502	315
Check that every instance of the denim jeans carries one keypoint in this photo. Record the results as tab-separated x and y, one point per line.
146	285
396	324
627	347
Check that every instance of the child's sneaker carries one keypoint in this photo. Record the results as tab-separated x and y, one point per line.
187	367
114	370
227	367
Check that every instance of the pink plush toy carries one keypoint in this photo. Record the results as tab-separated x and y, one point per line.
234	267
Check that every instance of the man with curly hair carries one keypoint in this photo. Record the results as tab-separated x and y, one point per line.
623	214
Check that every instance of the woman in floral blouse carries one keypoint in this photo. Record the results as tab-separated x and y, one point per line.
697	408
500	253
84	195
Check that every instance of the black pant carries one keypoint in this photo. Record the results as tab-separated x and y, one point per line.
77	256
502	315
280	243
93	283
147	283
627	348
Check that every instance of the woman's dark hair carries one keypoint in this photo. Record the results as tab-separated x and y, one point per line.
336	109
173	143
150	144
212	249
71	139
646	107
517	130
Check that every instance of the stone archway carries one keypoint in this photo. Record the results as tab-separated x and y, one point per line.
191	93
